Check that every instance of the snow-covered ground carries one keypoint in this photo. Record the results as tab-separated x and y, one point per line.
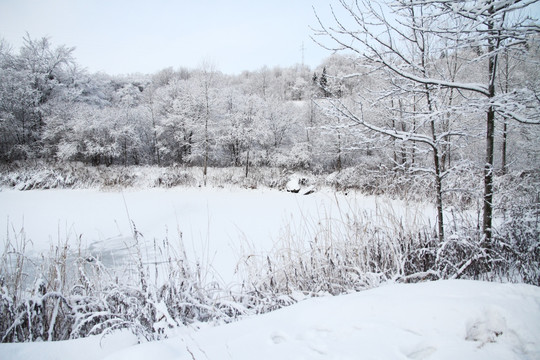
439	320
218	226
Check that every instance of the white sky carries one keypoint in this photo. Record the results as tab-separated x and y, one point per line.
126	36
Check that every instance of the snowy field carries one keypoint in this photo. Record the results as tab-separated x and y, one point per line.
437	320
219	227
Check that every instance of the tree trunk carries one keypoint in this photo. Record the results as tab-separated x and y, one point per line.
504	142
155	150
439	200
488	178
505	125
437	168
487	220
247	162
207	115
438	176
338	161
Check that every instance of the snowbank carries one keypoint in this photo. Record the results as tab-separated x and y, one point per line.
437	320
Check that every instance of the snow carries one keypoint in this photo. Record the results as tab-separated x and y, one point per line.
452	319
91	348
293	185
219	226
438	320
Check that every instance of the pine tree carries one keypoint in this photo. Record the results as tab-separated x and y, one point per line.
323	82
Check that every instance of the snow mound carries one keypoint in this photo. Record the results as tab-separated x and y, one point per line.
438	320
293	185
298	184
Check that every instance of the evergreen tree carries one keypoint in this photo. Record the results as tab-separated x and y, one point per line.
323	82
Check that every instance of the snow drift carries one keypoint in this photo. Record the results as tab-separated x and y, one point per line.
453	319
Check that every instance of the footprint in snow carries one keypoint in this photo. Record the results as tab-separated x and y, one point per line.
486	328
278	338
422	352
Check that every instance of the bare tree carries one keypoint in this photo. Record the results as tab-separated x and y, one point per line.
207	81
415	57
383	34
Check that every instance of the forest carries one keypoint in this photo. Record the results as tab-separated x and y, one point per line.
54	111
440	101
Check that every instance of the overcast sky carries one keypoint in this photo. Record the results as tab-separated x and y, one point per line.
126	36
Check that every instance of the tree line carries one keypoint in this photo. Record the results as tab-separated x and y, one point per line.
51	108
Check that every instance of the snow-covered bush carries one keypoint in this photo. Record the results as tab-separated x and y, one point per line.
341	254
75	295
174	176
297	158
43	175
517	242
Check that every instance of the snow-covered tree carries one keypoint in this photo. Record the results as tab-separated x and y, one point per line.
382	33
179	114
30	79
207	77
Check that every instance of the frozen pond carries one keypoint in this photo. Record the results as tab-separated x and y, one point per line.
218	226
